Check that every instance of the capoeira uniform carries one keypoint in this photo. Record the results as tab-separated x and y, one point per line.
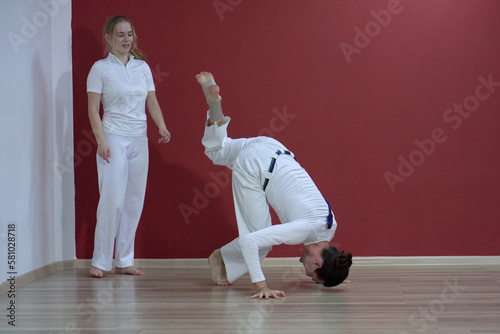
122	182
266	173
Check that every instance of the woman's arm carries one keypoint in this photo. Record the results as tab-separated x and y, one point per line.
94	101
155	112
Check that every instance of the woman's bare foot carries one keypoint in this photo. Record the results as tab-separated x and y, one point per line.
96	272
129	271
207	82
219	275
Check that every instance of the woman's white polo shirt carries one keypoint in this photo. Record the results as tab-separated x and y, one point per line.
123	90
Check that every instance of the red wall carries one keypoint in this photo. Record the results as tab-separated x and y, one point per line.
344	85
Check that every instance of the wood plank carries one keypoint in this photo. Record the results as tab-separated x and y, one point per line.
456	299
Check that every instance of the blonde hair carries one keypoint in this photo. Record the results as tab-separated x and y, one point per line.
110	28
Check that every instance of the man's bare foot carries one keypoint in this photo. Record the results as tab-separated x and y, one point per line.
219	275
204	77
129	271
96	272
207	82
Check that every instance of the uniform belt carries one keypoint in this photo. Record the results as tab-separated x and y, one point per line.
329	218
271	165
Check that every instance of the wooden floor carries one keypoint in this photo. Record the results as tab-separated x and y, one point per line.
381	299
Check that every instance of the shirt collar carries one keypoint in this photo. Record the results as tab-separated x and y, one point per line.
113	58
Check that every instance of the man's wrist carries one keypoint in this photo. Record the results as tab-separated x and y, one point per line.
260	285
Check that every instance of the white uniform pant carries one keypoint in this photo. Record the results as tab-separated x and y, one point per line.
250	204
234	261
122	187
250	160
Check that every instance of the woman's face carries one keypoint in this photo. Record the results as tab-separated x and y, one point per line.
121	41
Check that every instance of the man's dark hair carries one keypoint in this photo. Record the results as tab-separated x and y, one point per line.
335	266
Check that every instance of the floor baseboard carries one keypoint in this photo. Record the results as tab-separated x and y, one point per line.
38	273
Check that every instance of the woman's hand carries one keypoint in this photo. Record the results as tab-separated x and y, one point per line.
165	136
104	151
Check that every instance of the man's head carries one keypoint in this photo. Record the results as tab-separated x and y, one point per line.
335	266
328	267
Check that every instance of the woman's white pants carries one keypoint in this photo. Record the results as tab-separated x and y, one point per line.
122	186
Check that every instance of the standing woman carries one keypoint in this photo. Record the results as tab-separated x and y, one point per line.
124	83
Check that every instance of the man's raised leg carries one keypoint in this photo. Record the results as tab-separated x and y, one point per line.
211	91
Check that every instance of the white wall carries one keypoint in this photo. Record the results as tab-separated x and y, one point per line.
36	126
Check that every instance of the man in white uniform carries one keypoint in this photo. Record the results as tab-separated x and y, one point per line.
266	173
